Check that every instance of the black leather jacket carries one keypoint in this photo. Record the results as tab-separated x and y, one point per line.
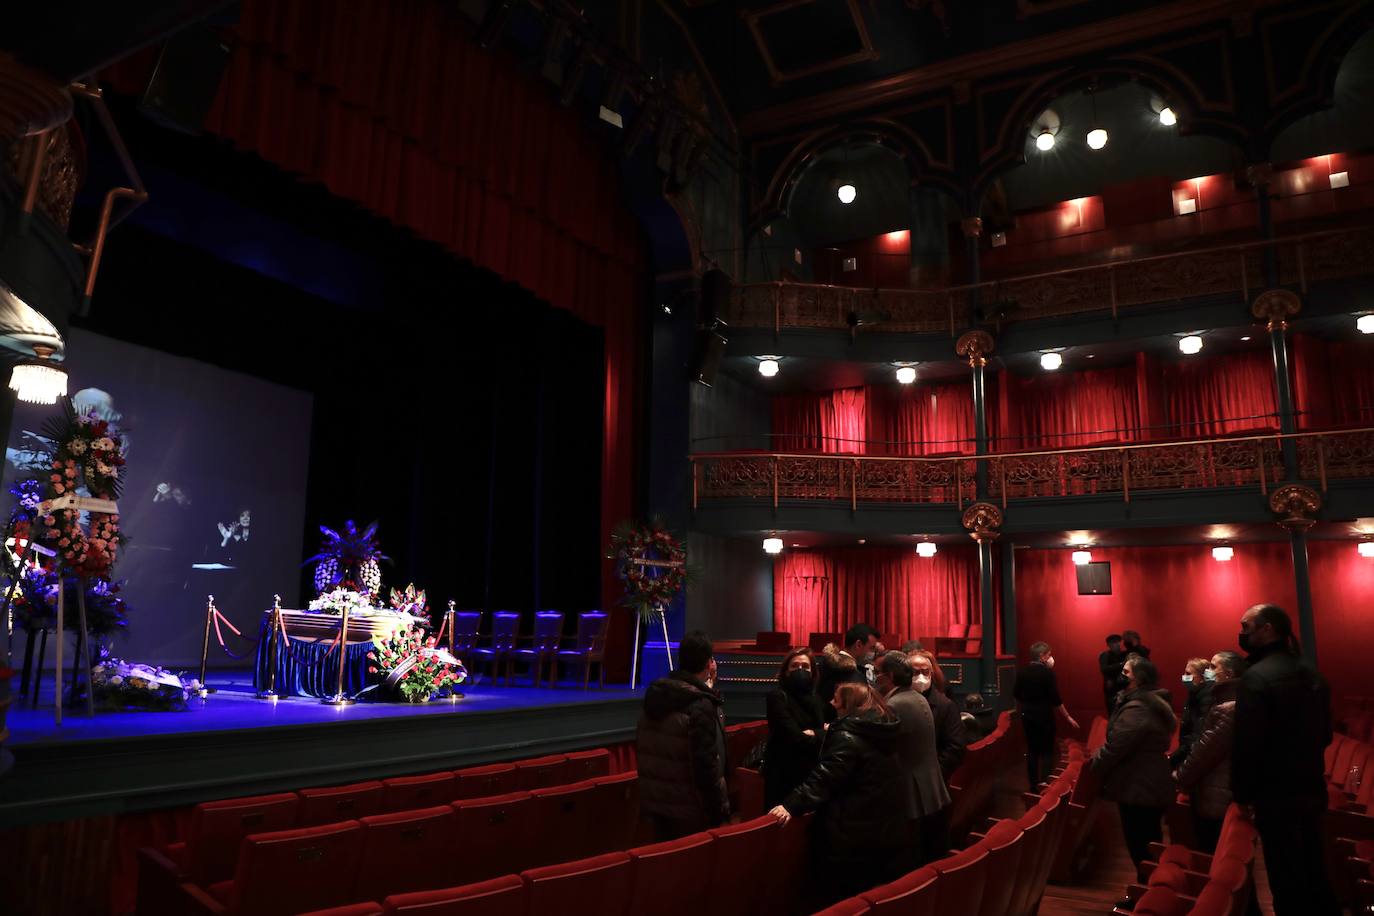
1283	725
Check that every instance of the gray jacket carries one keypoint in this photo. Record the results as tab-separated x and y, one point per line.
926	792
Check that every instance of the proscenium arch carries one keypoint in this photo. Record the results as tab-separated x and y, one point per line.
1322	66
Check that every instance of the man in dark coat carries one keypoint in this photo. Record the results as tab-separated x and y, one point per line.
1109	663
680	743
926	797
1037	698
860	643
951	742
1283	725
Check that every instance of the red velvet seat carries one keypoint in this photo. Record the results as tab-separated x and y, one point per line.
599	886
588	764
405	851
791	857
218	828
504	896
850	907
744	853
1005	844
749	793
1161	901
1215	900
566	825
352	909
614	803
495	779
1035	830
960	888
541	772
492	832
913	894
669	877
406	793
339	803
287	872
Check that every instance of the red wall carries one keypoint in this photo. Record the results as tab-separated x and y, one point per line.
1186	604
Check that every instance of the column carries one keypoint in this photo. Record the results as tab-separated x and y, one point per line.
1297	507
1008	598
975	347
984	522
1275	306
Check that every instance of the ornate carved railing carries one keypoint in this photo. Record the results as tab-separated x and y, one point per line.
1199	464
1110	286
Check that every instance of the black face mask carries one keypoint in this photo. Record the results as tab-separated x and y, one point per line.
797	682
1244	641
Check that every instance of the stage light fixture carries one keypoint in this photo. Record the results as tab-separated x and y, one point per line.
1366	548
1246	337
926	549
1097	138
1365	324
1223	554
1190	344
906	374
1082	557
39	380
1167	116
1051	361
1044	141
847	193
768	367
772	546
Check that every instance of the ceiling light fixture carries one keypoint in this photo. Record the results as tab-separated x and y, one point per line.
927	549
1365	324
906	374
39	380
1050	361
1097	138
772	546
1190	344
1167	116
768	366
1366	548
1223	554
1082	557
847	193
1044	141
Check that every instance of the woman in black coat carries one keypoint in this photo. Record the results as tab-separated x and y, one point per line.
860	835
796	727
950	739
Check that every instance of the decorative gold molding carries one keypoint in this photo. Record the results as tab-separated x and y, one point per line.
983	521
1296	505
1275	307
975	347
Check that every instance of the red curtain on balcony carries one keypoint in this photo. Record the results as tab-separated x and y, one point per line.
826	590
1227	394
1333	382
920	419
1070	409
820	421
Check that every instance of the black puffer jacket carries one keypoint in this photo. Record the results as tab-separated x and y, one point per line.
950	741
680	744
1283	725
1132	764
857	787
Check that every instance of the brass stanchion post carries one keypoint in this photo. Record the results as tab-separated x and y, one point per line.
452	643
205	641
274	624
338	699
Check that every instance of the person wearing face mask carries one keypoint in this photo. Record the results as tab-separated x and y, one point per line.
1109	663
1206	773
1133	765
796	727
860	643
1283	725
1131	644
1037	698
929	681
1196	702
925	796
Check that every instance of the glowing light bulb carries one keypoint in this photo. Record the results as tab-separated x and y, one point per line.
772	545
926	549
1097	138
1223	554
768	367
1167	117
847	193
1366	548
906	374
1082	557
1045	141
1190	344
38	384
1051	361
1365	324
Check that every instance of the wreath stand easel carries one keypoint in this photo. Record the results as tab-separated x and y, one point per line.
657	611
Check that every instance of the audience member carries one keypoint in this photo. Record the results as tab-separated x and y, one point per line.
836	667
1197	699
1282	728
796	727
1206	771
860	835
926	797
1133	765
980	719
911	645
1037	699
860	641
1130	642
1109	663
929	682
680	744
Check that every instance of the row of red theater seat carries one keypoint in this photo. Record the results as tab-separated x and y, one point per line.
1349	823
1182	881
210	850
972	784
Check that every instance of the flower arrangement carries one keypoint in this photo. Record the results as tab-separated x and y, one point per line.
35	602
120	685
349	558
336	601
87	452
410	601
651	562
413	664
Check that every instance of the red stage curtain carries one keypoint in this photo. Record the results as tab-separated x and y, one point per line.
1068	410
1221	395
920	419
1333	382
820	421
829	589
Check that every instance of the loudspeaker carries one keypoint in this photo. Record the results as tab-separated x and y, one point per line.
710	349
186	78
1094	578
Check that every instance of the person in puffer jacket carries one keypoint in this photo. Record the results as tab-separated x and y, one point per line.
680	744
1206	772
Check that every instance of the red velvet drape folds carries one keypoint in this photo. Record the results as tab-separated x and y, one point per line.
1223	395
876	420
826	590
391	104
1333	382
820	421
1070	409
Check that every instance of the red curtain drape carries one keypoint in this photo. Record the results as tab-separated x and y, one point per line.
1333	382
1070	409
934	419
826	590
820	421
1226	394
391	104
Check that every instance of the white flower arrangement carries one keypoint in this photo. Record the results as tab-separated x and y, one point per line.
340	598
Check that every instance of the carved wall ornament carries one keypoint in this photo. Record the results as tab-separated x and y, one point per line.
1296	505
983	521
975	347
1275	307
972	226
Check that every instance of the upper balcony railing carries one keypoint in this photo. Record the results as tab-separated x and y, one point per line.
1110	286
1116	470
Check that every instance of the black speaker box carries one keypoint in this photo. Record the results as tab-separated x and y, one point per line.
1094	579
186	78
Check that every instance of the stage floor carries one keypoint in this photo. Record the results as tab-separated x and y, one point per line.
235	744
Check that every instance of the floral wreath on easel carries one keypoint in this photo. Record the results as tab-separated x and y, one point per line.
651	562
86	451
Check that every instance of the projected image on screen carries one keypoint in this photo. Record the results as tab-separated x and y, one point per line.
213	492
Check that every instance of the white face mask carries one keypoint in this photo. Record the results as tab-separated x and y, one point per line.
1049	661
1187	678
1210	674
921	682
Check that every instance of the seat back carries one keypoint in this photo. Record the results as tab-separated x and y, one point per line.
1160	901
974	644
1035	840
406	793
852	906
566	825
598	886
492	833
773	641
743	854
614	803
913	894
494	779
295	871
503	896
541	772
668	877
548	632
1215	900
338	803
591	634
960	888
818	641
957	631
406	851
466	626
588	764
504	627
1005	844
218	828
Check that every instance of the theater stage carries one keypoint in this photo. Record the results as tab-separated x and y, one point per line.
234	744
